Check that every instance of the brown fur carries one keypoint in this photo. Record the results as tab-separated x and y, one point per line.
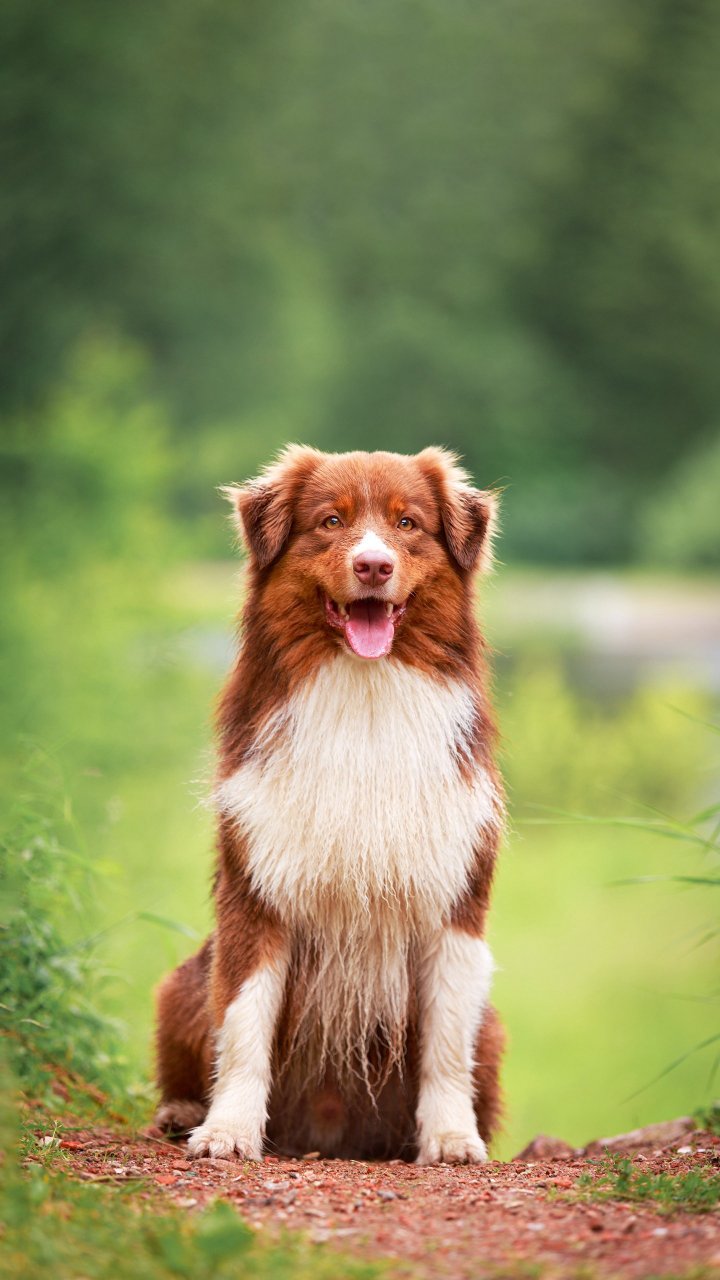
294	560
353	1129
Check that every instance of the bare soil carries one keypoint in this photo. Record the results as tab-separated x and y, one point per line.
479	1221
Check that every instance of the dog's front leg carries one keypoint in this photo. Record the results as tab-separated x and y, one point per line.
455	977
237	1117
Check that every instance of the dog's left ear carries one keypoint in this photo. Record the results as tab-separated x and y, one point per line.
468	515
263	508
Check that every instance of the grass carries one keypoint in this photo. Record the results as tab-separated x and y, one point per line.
55	1227
51	984
709	1118
695	1191
84	933
596	981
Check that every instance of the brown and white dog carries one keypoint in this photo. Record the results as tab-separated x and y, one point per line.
342	1003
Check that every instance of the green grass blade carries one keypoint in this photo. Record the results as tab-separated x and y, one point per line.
704	1044
707	880
713	725
176	926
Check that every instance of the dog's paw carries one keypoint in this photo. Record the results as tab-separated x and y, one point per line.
179	1115
452	1148
223	1140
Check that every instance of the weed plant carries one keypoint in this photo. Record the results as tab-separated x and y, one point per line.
708	1118
696	1191
51	983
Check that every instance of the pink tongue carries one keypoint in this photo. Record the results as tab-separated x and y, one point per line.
369	631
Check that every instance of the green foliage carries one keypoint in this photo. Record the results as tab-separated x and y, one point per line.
681	523
593	755
51	983
696	1191
52	1225
88	474
709	1118
55	1227
384	225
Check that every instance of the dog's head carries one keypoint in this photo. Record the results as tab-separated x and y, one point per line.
357	546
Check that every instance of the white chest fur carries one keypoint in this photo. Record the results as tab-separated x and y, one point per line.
361	830
354	796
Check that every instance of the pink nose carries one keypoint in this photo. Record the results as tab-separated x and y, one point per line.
373	568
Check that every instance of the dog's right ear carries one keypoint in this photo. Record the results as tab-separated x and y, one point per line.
262	517
263	508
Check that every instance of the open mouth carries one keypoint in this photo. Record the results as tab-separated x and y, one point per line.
368	625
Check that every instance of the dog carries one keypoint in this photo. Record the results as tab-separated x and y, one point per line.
342	1002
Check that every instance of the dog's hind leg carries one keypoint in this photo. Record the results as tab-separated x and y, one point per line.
184	1044
489	1047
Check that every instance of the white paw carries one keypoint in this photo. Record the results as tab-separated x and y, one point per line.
452	1148
224	1140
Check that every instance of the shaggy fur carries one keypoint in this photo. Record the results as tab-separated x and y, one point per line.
342	1003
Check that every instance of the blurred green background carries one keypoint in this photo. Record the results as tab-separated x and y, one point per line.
492	226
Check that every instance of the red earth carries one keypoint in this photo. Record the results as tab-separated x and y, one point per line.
446	1221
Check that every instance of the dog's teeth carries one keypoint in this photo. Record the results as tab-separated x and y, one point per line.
343	611
389	608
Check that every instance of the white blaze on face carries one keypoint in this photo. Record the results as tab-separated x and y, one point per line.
371	542
370	630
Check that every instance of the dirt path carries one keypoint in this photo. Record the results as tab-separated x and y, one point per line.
448	1222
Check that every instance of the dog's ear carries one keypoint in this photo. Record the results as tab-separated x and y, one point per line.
468	515
263	508
263	518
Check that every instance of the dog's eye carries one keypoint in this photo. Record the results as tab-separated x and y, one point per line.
332	522
406	523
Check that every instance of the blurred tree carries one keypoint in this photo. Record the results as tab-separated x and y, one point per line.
623	274
680	525
357	223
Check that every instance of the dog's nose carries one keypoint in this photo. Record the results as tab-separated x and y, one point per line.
373	568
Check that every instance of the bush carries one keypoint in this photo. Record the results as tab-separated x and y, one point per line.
680	526
566	751
50	980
